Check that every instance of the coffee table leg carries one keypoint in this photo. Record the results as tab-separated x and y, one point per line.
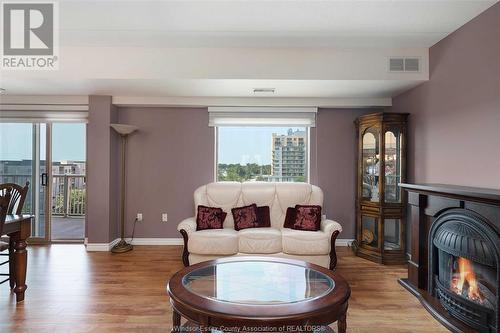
176	321
342	323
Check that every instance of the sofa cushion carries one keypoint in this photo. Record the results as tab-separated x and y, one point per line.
264	216
305	242
214	241
259	240
226	195
209	218
245	217
290	217
307	217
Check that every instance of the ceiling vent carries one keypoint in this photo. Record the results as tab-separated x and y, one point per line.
404	64
412	65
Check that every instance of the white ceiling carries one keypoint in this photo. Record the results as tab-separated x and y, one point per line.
165	29
306	23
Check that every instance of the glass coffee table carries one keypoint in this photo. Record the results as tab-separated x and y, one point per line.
258	294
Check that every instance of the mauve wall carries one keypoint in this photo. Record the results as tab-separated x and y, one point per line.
335	141
167	159
455	117
173	154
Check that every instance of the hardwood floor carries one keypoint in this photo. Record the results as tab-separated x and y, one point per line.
70	290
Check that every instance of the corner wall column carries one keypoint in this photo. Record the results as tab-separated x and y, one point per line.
102	175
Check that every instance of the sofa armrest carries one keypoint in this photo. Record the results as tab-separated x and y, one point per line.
332	229
188	224
185	228
329	226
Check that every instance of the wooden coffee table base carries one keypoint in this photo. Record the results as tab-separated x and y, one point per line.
191	327
342	323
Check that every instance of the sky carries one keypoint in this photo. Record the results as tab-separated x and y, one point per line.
68	141
247	144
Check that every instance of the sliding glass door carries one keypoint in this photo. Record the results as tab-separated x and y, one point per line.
51	157
23	158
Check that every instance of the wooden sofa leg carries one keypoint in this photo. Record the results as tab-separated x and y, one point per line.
185	252
333	254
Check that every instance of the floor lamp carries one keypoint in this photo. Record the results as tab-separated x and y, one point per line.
124	131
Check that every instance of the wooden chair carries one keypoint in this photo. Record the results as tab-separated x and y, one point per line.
4	205
17	197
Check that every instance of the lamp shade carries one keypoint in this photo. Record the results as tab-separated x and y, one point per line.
124	129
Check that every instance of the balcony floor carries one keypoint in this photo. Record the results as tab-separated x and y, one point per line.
68	228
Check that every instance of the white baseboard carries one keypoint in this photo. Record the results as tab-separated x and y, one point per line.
101	247
344	242
156	241
91	247
97	247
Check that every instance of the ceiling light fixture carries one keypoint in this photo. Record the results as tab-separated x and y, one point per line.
264	91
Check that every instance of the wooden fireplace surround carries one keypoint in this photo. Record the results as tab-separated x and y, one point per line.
426	202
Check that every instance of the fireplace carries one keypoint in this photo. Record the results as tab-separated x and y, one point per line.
454	267
464	267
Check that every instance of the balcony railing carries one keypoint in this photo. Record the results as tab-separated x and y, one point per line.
68	195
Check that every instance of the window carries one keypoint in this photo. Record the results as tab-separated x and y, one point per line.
262	143
261	153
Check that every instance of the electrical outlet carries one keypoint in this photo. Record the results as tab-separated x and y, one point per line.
164	217
139	217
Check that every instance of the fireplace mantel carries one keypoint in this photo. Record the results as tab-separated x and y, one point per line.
477	194
426	203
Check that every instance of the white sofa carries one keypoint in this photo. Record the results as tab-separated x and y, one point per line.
317	247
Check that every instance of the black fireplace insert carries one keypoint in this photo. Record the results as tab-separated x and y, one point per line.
464	263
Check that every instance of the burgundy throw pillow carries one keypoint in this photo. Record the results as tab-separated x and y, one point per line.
245	217
289	218
210	218
307	218
264	217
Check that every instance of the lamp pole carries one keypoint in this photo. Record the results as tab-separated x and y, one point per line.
124	131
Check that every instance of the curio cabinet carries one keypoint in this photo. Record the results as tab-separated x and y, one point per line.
380	202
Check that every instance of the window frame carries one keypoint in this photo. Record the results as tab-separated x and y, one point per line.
308	152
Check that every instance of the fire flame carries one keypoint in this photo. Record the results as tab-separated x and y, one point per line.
466	276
